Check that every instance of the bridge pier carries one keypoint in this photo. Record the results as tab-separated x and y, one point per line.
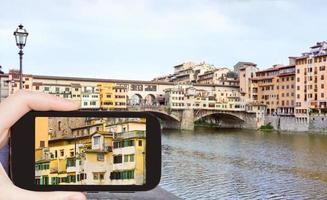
187	120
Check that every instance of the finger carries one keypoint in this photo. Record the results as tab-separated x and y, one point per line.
18	104
4	179
4	138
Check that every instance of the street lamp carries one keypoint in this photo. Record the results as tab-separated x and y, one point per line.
20	36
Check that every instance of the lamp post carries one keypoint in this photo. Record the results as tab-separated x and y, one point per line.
20	36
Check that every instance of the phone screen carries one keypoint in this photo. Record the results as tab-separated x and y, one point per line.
90	151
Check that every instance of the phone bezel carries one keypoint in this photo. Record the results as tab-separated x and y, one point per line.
22	151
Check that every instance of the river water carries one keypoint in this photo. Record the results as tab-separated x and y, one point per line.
213	163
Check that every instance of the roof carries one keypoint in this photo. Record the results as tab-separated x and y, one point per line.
67	138
87	126
102	133
97	79
245	63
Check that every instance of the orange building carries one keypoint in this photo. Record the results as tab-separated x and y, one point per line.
311	83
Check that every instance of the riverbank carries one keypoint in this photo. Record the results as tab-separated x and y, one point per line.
156	194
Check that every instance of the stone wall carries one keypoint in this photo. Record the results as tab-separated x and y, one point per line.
187	120
318	123
62	126
286	123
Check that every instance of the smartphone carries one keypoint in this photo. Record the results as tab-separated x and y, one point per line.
86	151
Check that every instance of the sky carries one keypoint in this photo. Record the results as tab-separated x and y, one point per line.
140	40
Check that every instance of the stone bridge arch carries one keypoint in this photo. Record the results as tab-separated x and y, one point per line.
202	114
136	99
167	120
221	119
150	100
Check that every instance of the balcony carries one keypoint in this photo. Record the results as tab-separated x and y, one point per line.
131	134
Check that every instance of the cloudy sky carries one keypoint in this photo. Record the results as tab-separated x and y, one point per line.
129	39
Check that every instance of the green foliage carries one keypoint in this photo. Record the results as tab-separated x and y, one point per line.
266	127
231	74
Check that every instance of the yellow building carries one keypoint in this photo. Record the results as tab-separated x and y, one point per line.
107	96
41	151
120	101
97	163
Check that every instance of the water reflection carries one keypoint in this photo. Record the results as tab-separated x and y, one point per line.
244	164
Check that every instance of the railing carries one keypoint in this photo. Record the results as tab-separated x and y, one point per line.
130	134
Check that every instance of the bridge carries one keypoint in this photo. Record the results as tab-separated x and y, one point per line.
186	118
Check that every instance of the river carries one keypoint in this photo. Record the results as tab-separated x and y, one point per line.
211	163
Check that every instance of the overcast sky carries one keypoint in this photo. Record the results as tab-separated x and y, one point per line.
139	39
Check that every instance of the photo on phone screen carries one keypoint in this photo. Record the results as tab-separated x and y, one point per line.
90	151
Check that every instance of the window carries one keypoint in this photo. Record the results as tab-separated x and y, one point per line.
126	158
131	158
96	140
100	156
42	143
122	175
140	143
46	89
101	176
118	159
83	176
95	176
62	152
322	68
59	125
71	163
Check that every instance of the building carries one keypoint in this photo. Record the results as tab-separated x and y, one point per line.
120	98
103	151
42	158
215	76
187	73
245	71
90	97
4	86
264	88
286	90
311	81
275	88
129	152
218	97
107	95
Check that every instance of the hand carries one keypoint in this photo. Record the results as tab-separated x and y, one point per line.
11	110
